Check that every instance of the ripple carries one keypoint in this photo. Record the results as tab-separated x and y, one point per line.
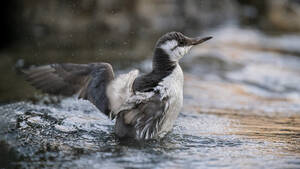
197	141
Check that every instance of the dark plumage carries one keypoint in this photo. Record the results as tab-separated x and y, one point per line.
89	80
162	67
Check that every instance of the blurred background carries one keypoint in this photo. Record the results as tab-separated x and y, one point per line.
241	90
124	33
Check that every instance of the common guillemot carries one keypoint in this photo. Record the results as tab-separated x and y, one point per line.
144	106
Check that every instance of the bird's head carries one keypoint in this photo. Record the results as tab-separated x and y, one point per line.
176	45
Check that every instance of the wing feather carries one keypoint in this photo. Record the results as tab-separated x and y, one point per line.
144	119
90	80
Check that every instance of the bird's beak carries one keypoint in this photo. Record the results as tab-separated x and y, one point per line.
196	41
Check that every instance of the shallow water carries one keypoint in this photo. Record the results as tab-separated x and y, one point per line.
241	110
83	138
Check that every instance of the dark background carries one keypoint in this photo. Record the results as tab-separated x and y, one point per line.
35	32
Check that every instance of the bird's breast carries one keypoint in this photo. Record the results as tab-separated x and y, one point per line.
171	88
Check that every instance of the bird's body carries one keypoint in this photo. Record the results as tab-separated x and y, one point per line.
145	106
160	105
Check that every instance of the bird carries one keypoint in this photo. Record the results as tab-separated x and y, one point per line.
144	106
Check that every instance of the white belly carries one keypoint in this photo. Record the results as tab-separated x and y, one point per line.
172	87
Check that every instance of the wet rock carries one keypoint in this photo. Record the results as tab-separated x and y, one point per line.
35	132
271	15
187	16
122	18
283	14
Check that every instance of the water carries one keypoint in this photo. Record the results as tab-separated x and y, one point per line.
74	134
86	139
241	110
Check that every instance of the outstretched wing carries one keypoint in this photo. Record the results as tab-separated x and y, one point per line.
144	120
90	80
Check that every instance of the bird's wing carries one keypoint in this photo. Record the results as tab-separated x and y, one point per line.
90	80
119	91
144	116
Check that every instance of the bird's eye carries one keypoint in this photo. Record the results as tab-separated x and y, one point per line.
181	43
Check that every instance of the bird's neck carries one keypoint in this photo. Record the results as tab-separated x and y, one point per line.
162	67
161	62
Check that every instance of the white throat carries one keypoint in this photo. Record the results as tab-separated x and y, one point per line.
174	51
